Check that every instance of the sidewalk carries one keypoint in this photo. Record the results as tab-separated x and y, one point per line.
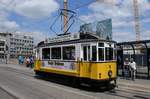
138	84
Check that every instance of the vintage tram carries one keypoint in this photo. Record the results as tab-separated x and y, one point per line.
84	57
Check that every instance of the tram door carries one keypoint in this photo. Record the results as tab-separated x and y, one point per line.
86	65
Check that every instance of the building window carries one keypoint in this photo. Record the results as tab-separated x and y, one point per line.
56	53
69	53
1	49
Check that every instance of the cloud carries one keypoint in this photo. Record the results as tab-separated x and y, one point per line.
146	20
123	36
145	35
7	25
32	9
29	9
122	14
121	10
36	8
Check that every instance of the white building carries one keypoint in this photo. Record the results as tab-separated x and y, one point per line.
18	44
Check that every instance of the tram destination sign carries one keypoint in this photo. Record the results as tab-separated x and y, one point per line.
62	38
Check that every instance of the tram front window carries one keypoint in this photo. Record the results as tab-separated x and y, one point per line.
69	53
101	54
109	53
46	53
94	53
56	53
85	53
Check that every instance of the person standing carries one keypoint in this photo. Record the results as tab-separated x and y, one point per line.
133	69
31	62
27	62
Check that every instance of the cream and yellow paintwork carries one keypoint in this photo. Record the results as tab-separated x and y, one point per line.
97	70
92	70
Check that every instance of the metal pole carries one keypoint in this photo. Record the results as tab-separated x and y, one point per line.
148	61
133	51
147	56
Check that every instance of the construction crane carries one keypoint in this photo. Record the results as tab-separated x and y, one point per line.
136	19
65	15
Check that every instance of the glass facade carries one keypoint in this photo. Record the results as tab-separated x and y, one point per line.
101	28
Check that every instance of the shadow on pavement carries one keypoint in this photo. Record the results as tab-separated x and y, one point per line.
67	82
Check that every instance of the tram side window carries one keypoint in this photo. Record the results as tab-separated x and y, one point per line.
69	53
46	53
101	54
109	53
85	53
56	53
94	53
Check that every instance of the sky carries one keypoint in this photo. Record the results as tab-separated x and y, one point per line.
35	17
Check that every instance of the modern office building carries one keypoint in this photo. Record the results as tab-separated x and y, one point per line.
103	28
17	44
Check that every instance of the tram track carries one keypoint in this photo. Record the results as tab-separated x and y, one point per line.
9	94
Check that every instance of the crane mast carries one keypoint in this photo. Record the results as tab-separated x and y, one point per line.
136	19
65	15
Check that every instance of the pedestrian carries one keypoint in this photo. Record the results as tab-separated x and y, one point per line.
126	68
19	59
27	62
133	69
31	62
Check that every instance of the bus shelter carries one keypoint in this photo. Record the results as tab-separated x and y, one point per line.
139	51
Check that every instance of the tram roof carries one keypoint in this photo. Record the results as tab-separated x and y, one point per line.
84	37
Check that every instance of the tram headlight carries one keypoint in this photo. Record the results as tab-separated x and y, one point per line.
109	73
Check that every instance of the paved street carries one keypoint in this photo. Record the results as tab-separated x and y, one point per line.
20	82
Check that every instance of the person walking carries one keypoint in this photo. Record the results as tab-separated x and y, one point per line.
133	69
126	68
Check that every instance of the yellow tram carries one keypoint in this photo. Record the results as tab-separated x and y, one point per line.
82	56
